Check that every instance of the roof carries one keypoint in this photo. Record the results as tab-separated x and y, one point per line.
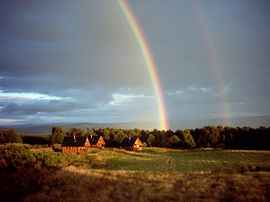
129	141
74	141
94	139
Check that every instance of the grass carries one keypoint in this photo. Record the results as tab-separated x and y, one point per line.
165	160
154	174
77	184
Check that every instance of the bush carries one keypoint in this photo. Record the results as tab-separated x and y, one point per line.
34	140
9	136
18	156
13	157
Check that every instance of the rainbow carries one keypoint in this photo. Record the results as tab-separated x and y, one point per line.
213	60
144	47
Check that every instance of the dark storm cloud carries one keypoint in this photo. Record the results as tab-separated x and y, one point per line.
85	54
34	110
40	107
80	43
27	109
240	40
48	20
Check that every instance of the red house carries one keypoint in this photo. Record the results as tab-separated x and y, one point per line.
97	142
75	144
132	144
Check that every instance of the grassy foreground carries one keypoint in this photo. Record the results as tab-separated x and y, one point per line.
76	184
151	175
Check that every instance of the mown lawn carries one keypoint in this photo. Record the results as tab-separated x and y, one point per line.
167	160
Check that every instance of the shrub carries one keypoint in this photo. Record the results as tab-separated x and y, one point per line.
9	136
34	140
13	157
18	156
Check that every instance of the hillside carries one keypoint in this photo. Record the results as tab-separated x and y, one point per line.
254	121
46	129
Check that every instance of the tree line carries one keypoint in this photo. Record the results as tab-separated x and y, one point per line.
205	137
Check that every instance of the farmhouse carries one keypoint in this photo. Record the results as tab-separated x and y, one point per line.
75	144
132	144
97	142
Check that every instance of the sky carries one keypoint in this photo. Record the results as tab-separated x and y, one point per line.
62	61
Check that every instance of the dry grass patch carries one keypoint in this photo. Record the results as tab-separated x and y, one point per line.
77	184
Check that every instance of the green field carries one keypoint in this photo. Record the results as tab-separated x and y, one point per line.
168	160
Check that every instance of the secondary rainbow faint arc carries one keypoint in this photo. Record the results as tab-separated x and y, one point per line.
213	58
140	38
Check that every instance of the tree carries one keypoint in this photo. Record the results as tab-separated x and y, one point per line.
133	133
36	139
151	140
162	138
90	132
119	136
227	137
57	135
75	131
144	135
174	141
105	132
209	136
187	140
9	136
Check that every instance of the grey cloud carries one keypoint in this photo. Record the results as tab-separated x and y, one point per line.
38	107
87	44
61	20
194	95
87	51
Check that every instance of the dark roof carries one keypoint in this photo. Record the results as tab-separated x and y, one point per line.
93	139
74	141
128	141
